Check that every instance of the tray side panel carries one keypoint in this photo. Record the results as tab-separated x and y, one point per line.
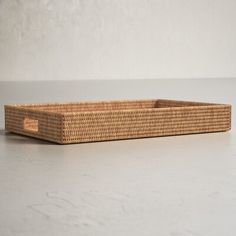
34	123
112	125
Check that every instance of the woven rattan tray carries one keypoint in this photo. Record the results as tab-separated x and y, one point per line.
111	120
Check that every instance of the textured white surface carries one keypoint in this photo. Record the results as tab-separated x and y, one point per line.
173	186
108	39
169	186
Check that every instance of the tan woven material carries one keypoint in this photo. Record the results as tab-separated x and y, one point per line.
111	120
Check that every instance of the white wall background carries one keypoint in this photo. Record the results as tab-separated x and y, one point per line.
109	39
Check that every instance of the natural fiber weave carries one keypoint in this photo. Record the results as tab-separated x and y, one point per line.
111	120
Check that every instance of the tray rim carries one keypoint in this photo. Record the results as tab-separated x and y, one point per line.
198	105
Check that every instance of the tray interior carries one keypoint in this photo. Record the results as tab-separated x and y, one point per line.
111	105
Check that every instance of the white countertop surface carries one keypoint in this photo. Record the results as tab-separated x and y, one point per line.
166	186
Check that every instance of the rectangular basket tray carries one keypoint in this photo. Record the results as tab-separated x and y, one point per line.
112	120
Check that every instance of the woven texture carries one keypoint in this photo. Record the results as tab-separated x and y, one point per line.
111	120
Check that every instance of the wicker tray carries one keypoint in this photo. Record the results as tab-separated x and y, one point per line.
111	120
